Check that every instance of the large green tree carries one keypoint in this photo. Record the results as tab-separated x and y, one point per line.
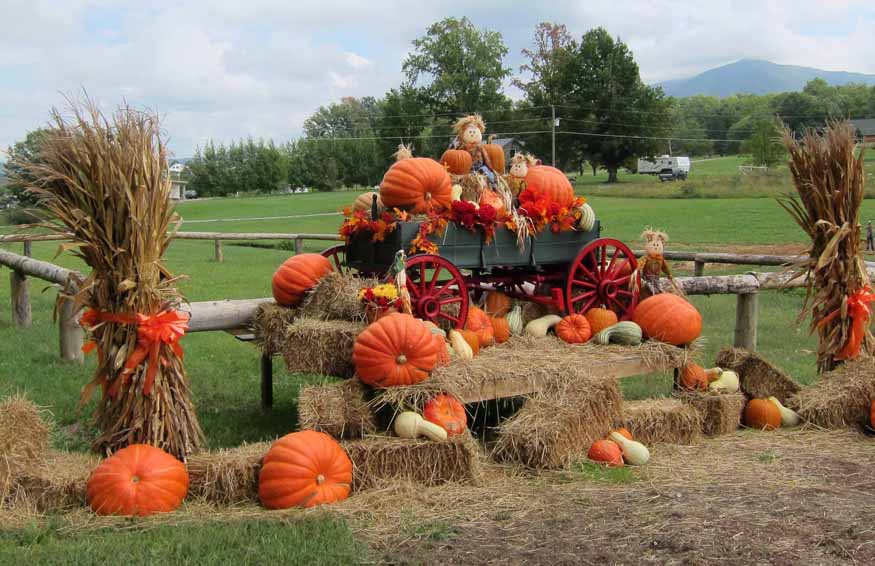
23	151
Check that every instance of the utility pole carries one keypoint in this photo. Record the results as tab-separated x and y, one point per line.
553	128
669	147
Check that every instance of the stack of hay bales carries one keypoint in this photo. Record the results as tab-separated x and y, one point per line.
24	441
322	347
227	476
720	412
269	326
758	378
338	409
669	421
841	397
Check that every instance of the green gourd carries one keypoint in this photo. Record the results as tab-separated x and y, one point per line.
626	333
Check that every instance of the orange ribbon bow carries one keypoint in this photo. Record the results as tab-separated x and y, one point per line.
859	311
166	327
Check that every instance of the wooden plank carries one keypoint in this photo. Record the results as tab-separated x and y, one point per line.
219	257
20	296
617	368
221	315
746	313
40	269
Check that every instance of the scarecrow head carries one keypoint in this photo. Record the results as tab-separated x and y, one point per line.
654	242
520	163
470	129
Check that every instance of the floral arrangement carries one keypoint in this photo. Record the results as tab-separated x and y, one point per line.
382	297
359	221
544	213
472	217
436	224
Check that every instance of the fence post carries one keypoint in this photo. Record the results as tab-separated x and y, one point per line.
699	268
219	257
71	334
299	246
746	312
20	295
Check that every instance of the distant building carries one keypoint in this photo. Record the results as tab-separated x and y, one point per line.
177	167
865	130
177	188
511	147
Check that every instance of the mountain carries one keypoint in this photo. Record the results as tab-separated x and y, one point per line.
755	76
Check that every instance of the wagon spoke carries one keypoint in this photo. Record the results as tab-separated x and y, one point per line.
602	253
447	316
623	279
582	296
587	272
613	260
434	278
587	284
616	303
450	301
625	293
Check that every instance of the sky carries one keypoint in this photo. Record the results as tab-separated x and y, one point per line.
227	70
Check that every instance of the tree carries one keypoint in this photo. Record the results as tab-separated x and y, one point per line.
24	151
764	143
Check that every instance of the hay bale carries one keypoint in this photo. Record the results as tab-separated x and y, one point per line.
339	409
842	397
335	297
269	326
322	347
758	377
721	412
227	476
558	425
24	439
59	483
671	421
378	460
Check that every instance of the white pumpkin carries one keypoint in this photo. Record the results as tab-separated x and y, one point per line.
587	218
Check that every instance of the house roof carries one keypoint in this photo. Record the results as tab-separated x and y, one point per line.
866	127
505	141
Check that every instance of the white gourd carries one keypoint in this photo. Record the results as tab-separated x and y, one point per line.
626	333
727	382
460	346
411	425
587	218
789	417
539	327
515	320
634	452
456	192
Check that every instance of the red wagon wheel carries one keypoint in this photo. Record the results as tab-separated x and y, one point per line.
602	276
337	256
437	291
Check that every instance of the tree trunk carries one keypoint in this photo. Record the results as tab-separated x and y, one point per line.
594	169
612	174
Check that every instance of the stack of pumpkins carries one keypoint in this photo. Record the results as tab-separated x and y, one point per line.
617	449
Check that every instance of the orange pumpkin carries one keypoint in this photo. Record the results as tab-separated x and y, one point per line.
496	157
479	323
497	304
457	161
471	338
599	319
669	318
545	182
296	276
447	412
304	469
365	201
443	354
762	414
605	452
574	329
395	350
138	480
694	378
417	184
501	329
492	199
624	432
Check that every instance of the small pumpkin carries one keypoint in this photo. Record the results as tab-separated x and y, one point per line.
496	156
762	414
460	346
626	333
600	318
574	329
447	412
395	350
540	326
479	323
501	330
138	480
515	320
417	184
545	182
492	199
472	340
457	161
497	304
693	378
304	469
606	452
669	318
296	276
365	201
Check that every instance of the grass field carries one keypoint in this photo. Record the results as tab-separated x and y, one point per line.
224	372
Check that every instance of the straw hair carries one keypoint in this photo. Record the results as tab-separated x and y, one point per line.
669	421
105	182
758	378
322	347
841	397
463	122
269	326
24	439
721	412
227	476
829	180
339	409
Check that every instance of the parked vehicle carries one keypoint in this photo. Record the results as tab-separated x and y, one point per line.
669	168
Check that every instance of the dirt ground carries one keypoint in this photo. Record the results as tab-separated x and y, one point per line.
785	497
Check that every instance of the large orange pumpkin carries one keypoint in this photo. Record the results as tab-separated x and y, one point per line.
492	199
479	323
599	319
395	350
447	412
496	157
762	414
296	276
365	202
139	480
417	184
606	452
574	329
497	303
304	469
543	181
500	329
669	318
693	378
457	161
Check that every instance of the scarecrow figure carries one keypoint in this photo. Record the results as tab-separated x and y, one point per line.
469	137
519	168
653	264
